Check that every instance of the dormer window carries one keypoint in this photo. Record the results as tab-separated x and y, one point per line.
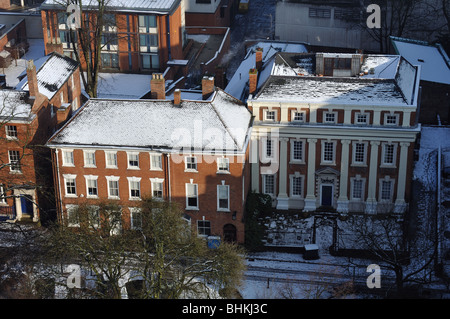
362	118
298	116
330	117
270	116
391	119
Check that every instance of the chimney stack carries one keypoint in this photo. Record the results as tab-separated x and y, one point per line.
320	66
252	81
207	86
158	86
32	78
177	97
259	58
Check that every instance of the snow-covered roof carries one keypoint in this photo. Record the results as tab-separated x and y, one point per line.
13	105
237	85
221	124
434	62
122	5
52	71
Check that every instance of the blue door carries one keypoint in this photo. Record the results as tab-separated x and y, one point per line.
26	201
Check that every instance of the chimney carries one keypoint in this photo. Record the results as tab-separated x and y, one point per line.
356	64
177	97
252	81
158	86
259	58
32	78
320	67
207	86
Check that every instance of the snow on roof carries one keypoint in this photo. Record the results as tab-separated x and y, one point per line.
135	5
434	62
220	124
14	106
332	90
237	84
380	66
51	75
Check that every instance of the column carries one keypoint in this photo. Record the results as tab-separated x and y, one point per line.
283	199
254	161
400	204
310	199
371	203
342	202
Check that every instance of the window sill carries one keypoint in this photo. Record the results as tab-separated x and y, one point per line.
71	196
191	171
89	166
223	172
135	199
114	197
156	169
192	208
16	172
111	167
68	165
387	166
223	210
133	168
297	162
358	165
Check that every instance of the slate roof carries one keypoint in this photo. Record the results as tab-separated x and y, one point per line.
221	124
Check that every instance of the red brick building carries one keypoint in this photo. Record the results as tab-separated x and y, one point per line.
137	36
193	152
210	13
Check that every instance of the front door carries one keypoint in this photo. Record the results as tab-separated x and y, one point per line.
26	202
229	233
327	195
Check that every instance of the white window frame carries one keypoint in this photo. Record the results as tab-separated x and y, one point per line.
273	147
89	178
358	114
303	116
264	190
65	158
335	117
187	197
294	160
209	227
159	181
327	162
72	208
86	154
8	131
134	180
2	195
186	169
113	179
387	179
223	165
291	185
266	117
153	167
383	155
14	165
397	118
354	146
68	177
129	154
135	214
352	189
227	209
108	155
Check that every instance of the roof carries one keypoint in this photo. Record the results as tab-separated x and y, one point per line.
154	6
14	105
434	61
52	72
221	124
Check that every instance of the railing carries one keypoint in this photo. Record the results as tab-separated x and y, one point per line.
7	212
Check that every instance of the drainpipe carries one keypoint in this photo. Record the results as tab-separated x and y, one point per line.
59	182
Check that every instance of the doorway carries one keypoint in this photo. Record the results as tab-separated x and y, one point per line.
229	233
326	195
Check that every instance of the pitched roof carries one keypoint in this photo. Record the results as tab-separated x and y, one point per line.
51	74
221	124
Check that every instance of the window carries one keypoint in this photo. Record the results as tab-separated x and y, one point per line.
111	159
223	197
359	153
113	187
297	150
391	119
191	163
269	184
73	216
133	160
204	227
328	152
146	22
386	190
362	118
223	164
91	186
389	152
269	148
357	189
296	186
319	13
270	115
110	60
89	158
67	156
70	184
109	41
156	162
135	187
298	116
329	117
11	132
191	196
149	61
148	42
94	217
136	218
157	187
14	161
2	195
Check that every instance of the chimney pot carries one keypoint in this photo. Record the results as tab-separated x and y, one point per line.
207	86
177	97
